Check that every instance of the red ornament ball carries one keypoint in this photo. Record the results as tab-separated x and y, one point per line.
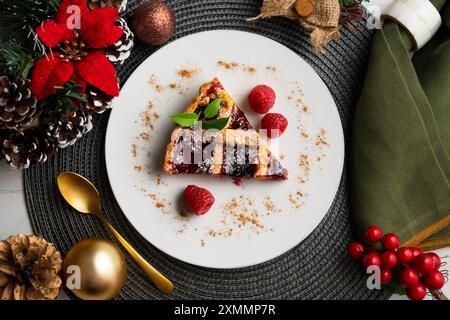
154	22
408	277
423	263
404	255
416	252
436	259
355	250
417	292
261	98
371	259
434	280
385	276
390	241
373	234
388	260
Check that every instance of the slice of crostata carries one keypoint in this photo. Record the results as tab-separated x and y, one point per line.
219	140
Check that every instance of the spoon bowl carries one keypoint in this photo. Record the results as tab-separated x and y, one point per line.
79	192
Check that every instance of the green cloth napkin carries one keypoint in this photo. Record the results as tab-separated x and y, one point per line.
400	164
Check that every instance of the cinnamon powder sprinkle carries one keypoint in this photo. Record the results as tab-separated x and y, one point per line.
138	168
148	117
187	73
270	205
154	82
272	69
173	86
182	229
134	150
250	69
297	199
305	165
144	136
321	139
227	65
152	196
304	134
232	65
159	203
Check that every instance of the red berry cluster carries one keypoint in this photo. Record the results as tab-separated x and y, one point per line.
417	271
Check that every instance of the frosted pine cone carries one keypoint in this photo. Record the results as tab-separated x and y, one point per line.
66	132
23	148
18	105
3	134
97	101
121	50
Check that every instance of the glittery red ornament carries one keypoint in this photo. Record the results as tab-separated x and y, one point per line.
154	22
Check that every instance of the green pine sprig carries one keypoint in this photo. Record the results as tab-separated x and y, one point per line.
63	101
15	61
19	18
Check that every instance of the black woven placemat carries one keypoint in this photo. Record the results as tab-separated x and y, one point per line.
318	268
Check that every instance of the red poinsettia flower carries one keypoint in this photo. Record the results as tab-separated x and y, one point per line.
76	53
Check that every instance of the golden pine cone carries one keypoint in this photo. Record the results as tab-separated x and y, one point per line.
29	269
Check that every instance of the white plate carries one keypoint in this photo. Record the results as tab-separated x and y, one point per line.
152	201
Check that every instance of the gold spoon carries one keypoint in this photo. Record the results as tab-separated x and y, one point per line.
82	195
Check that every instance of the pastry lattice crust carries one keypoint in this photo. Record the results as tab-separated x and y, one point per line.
230	149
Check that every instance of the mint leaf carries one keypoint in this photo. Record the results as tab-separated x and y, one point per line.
212	109
218	124
185	119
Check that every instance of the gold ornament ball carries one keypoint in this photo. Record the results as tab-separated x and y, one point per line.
154	22
102	269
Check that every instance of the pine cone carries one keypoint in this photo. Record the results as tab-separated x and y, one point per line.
119	4
66	132
22	148
3	134
29	269
17	104
97	101
121	50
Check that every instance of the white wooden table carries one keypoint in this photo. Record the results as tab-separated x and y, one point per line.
14	217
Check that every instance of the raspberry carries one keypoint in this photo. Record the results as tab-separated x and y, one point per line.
261	99
199	200
275	124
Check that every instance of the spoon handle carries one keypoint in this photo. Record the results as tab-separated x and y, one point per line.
160	281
